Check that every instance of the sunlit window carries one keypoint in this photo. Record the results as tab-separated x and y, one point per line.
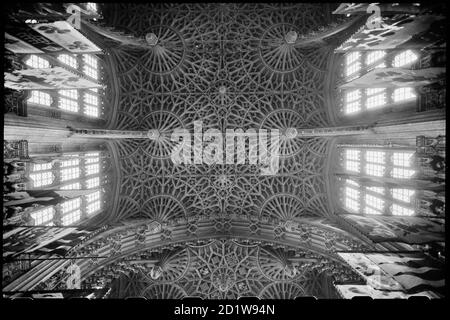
92	157
402	194
93	202
71	217
72	186
42	166
401	211
68	60
90	66
92	169
352	101
402	165
71	211
35	61
40	97
374	205
402	173
376	97
91	105
403	94
374	56
68	105
93	207
93	183
402	159
375	156
72	94
374	170
41	174
352	160
352	183
353	63
70	163
379	190
404	58
71	205
91	99
374	161
371	196
43	216
91	111
93	196
70	173
352	199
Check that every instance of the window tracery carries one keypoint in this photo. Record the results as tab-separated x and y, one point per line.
357	63
362	197
87	102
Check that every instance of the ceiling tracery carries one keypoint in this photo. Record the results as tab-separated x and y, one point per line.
230	66
227	269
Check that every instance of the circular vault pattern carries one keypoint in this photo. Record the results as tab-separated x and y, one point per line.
166	50
277	48
162	122
233	66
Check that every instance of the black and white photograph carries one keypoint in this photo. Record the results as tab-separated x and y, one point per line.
240	152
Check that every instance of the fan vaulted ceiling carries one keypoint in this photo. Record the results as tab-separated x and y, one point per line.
229	66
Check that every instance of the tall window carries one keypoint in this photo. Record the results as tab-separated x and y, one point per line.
71	211
352	63
93	202
68	100
372	196
352	101
90	66
402	165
